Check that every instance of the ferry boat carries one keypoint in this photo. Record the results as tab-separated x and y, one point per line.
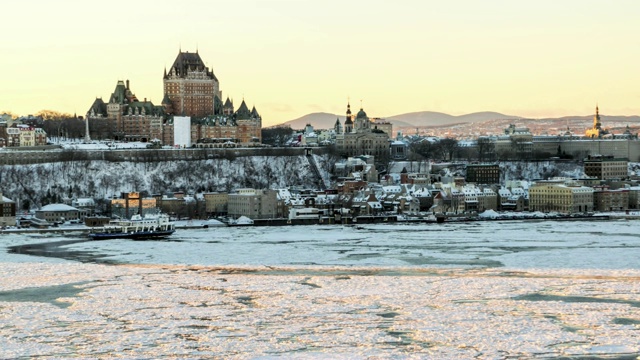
147	227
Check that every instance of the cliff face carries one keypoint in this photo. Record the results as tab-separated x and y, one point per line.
34	185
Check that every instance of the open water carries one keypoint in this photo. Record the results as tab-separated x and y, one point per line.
521	244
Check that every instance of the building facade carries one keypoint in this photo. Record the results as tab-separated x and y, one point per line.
216	203
21	135
132	203
124	117
483	174
360	136
190	90
58	213
610	200
190	87
606	167
561	196
7	211
254	204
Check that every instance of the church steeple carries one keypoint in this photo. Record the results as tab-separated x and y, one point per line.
348	123
596	119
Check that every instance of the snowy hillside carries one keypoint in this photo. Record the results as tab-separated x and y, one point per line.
36	184
517	170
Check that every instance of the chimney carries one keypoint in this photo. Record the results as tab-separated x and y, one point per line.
127	84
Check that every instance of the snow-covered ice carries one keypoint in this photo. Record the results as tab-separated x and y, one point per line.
538	289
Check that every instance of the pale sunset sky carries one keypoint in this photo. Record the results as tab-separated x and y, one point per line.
293	57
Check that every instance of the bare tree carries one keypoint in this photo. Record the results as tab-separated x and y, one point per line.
448	148
423	148
519	146
276	136
486	149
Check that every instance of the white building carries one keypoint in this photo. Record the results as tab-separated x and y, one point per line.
182	131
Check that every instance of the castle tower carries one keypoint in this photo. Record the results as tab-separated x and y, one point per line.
190	86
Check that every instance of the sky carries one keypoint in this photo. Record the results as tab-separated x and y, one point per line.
289	58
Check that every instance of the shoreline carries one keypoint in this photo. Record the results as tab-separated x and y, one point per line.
365	220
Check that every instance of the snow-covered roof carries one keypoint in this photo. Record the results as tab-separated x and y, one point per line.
392	189
58	207
375	205
84	202
504	192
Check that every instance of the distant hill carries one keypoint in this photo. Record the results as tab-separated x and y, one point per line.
319	120
604	118
432	119
322	120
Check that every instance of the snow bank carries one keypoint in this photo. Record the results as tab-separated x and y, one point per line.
491	214
214	222
243	220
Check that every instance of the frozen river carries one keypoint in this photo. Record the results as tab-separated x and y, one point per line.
469	290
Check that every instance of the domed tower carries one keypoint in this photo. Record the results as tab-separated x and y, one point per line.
362	121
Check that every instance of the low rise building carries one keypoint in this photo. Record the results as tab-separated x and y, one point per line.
490	199
606	167
634	197
58	213
605	199
86	206
7	211
253	203
132	203
216	203
487	174
564	196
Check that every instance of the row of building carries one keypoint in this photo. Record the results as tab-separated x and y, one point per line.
21	132
414	196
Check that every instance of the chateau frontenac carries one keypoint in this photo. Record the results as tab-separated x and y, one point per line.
191	90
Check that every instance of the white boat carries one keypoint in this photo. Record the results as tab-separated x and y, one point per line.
147	227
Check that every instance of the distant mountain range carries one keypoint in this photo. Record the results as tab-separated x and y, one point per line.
322	120
431	119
